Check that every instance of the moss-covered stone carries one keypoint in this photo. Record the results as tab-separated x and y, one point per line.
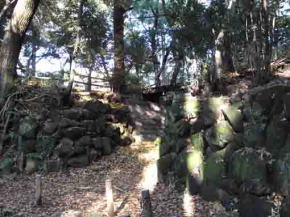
234	117
220	134
276	136
28	128
6	165
197	141
254	135
247	165
281	170
215	168
165	162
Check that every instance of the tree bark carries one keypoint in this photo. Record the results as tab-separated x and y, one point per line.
118	79
74	54
13	39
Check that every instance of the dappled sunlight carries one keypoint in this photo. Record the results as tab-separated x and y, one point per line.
188	205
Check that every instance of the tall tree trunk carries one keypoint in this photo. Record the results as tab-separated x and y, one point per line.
177	68
163	67
218	59
118	79
154	46
13	39
74	54
267	38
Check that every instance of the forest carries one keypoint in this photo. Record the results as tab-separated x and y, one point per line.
165	108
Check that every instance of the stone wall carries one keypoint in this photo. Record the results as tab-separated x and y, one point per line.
71	137
235	150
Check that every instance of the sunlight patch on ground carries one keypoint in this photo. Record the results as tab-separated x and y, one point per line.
188	205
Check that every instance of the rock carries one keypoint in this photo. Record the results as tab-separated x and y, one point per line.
97	107
97	143
281	170
28	145
180	145
287	105
65	148
72	114
252	206
215	168
74	132
28	128
100	125
275	136
256	187
248	167
104	144
126	141
197	141
52	166
78	161
88	115
220	134
285	208
65	123
107	145
183	128
50	127
265	100
234	117
6	166
165	162
90	125
84	141
254	135
31	165
122	114
164	148
213	193
94	155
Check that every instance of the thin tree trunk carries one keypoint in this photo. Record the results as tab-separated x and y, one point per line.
75	52
12	42
118	80
154	45
163	67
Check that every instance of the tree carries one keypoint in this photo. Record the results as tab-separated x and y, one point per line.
13	39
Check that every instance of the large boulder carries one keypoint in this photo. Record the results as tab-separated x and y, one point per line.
6	166
65	123
254	135
78	161
281	170
89	125
219	135
74	132
164	163
287	105
72	114
252	206
276	136
104	144
27	145
234	117
249	168
65	148
50	127
197	141
28	128
215	168
97	107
